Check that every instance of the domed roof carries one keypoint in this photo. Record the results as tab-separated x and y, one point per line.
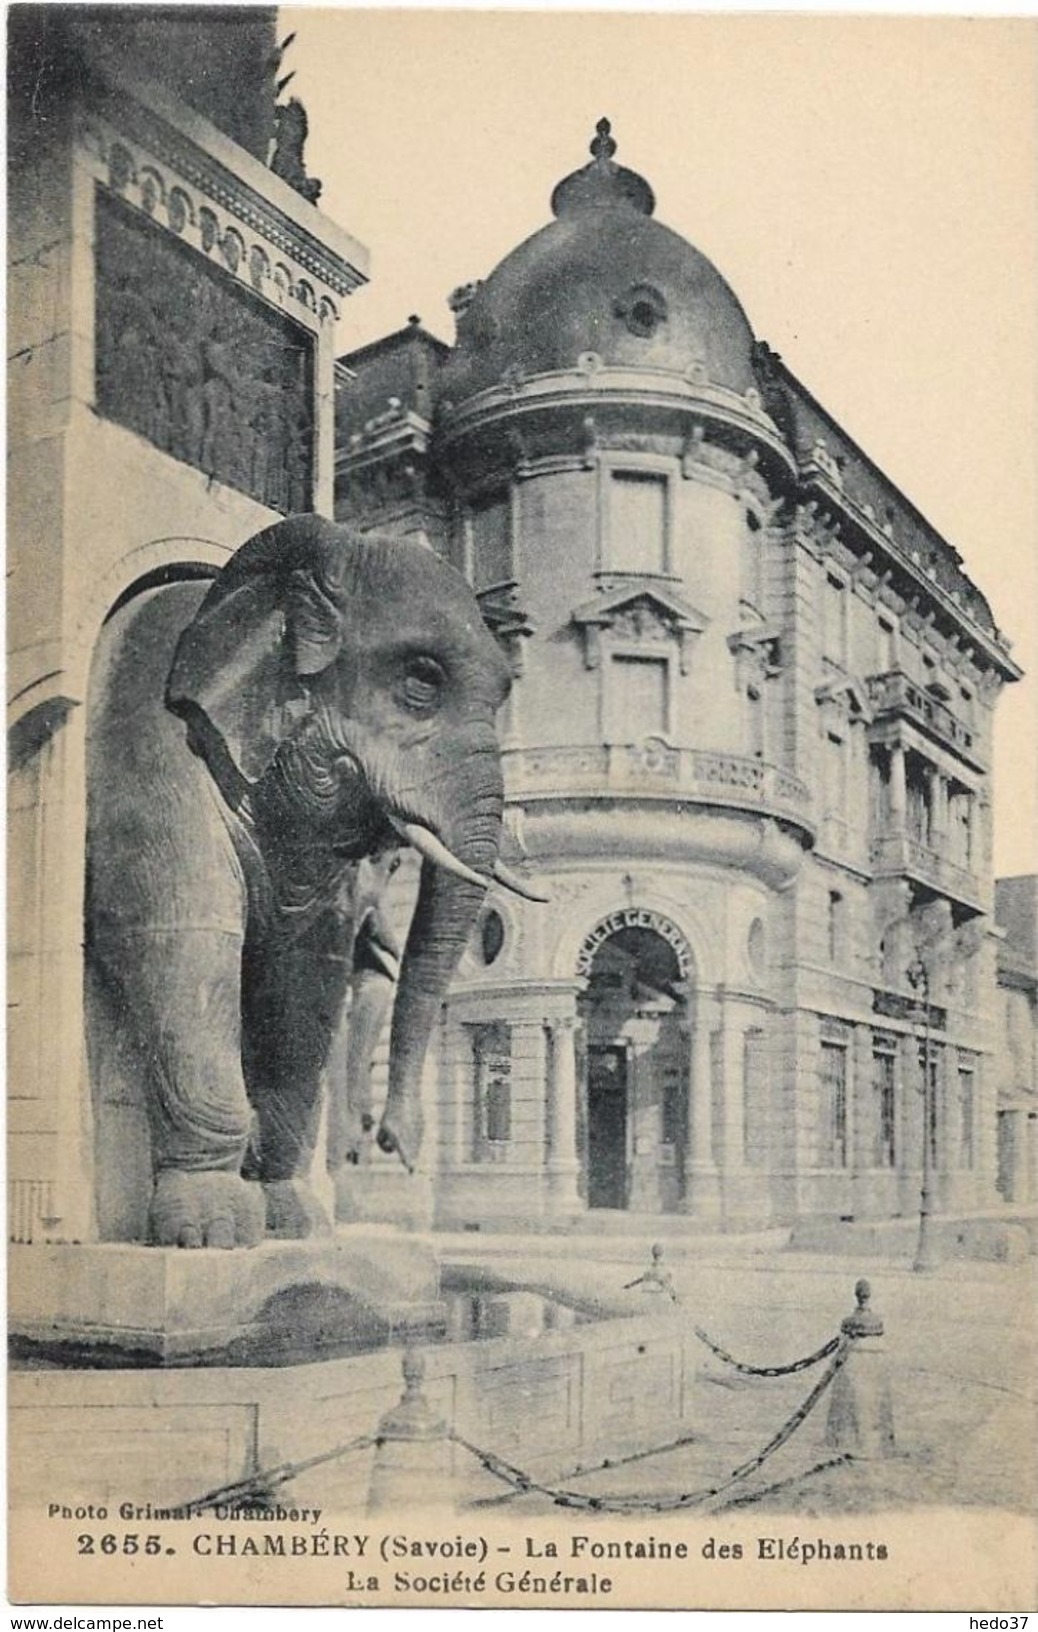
603	277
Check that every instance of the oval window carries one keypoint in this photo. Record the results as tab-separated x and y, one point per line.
492	936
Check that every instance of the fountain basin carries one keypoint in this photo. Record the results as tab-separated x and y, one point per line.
551	1403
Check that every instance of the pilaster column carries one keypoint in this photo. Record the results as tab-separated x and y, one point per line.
561	1127
897	784
932	780
702	1192
324	419
938	809
528	1091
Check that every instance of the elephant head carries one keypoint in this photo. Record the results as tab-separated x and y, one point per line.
347	686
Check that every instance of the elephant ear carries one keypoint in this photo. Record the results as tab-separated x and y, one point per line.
271	619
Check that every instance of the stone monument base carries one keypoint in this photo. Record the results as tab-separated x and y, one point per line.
124	1304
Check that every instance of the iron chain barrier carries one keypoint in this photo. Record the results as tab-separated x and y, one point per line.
803	1364
524	1483
256	1490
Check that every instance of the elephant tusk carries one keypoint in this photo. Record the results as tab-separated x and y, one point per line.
512	881
386	962
434	850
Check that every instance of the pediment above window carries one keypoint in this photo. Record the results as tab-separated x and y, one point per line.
844	697
757	649
634	614
506	620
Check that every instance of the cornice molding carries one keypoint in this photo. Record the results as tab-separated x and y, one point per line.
225	174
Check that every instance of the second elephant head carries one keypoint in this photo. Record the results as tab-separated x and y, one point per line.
342	690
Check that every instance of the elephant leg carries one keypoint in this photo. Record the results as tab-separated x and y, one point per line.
292	1005
176	994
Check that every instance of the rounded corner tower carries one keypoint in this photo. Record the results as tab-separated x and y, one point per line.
746	753
616	474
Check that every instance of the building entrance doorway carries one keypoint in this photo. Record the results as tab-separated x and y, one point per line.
607	1127
635	1090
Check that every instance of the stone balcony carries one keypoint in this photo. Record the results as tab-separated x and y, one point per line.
655	771
894	695
900	855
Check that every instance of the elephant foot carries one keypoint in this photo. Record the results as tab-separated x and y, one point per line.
293	1211
401	1131
205	1210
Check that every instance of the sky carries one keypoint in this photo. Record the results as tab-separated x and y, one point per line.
868	186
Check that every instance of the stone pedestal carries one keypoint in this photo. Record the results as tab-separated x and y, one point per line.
412	1465
174	1306
861	1412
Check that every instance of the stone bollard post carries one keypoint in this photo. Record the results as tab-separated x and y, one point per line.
656	1278
861	1411
412	1466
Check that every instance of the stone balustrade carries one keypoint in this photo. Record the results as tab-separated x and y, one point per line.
893	693
897	853
654	770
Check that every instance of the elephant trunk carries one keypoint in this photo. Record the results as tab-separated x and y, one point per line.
444	914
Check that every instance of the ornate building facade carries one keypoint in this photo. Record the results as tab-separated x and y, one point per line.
1016	1047
747	752
172	296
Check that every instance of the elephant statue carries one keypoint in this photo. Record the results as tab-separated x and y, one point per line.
259	749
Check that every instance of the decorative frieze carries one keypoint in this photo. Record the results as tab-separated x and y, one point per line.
145	135
182	203
192	362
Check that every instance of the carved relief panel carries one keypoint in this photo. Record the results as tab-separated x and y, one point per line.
195	364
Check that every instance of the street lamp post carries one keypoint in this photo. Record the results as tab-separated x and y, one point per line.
925	1255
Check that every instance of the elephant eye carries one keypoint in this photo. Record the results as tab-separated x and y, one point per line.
423	679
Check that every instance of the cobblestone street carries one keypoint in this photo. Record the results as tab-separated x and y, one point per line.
960	1350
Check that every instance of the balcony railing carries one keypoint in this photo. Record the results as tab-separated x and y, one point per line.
894	693
897	854
654	770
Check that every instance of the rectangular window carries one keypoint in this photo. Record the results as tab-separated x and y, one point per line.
832	1107
755	708
966	1083
887	652
834	621
638	698
836	775
492	1089
490	539
836	933
932	1109
884	1088
637	522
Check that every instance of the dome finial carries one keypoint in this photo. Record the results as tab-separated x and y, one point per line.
602	184
603	146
